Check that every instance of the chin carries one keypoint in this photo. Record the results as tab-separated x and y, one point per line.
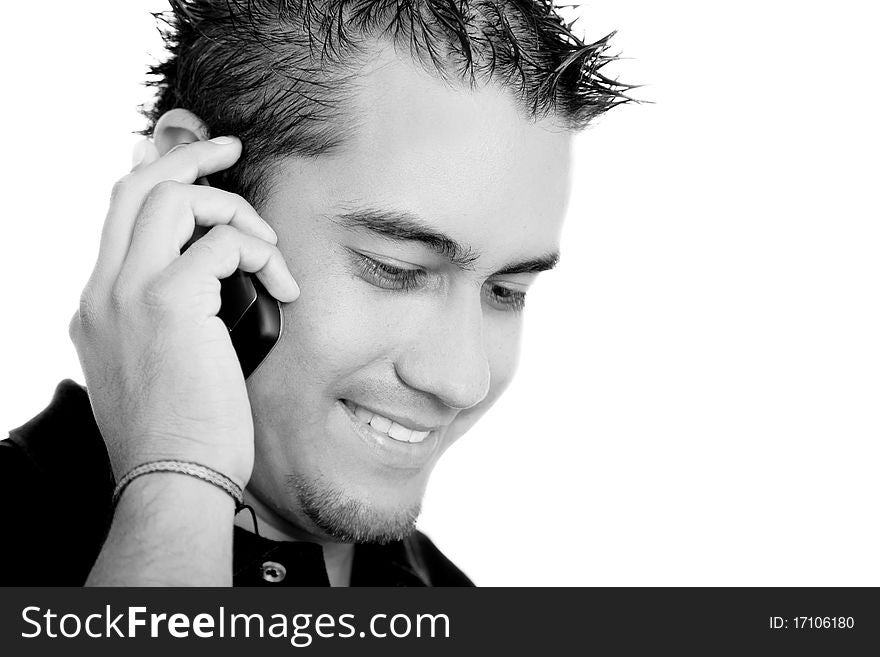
349	518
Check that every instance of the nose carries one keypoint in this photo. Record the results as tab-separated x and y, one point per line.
447	358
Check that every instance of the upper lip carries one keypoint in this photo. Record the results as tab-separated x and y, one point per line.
402	419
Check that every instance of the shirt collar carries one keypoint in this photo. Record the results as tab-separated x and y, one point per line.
259	561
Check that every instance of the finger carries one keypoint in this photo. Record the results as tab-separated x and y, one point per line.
183	164
144	153
186	163
167	220
225	249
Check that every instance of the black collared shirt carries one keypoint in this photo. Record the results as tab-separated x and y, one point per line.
56	484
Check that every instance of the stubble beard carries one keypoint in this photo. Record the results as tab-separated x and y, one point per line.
350	520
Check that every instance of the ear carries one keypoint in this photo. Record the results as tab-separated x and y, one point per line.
178	126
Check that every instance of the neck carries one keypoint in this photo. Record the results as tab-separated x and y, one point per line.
338	557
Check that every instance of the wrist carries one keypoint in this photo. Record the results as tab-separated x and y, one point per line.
168	529
185	468
235	467
171	494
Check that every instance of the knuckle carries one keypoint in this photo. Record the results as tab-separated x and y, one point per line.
86	317
206	296
221	244
166	191
119	297
237	199
275	253
74	328
186	158
157	296
122	186
192	166
163	198
222	236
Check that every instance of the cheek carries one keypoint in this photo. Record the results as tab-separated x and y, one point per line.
338	329
331	331
502	349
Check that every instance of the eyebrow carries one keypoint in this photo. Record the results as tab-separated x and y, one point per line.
532	266
406	227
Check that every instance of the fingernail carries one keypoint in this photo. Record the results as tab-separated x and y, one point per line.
222	140
138	153
295	288
271	230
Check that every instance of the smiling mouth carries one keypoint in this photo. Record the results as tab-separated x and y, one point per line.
386	426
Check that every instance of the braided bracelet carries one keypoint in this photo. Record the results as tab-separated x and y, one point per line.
196	470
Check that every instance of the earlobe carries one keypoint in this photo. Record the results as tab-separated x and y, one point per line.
178	126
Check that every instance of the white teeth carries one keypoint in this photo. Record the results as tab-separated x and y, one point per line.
380	423
418	436
392	429
399	432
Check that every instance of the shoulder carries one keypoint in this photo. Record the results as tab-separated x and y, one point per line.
55	484
63	443
66	427
436	567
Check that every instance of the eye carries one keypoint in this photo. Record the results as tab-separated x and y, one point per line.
387	276
505	298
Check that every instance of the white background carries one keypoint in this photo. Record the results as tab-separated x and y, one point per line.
698	397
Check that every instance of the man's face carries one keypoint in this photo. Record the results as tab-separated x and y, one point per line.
412	245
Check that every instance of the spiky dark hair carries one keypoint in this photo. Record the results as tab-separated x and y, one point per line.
274	72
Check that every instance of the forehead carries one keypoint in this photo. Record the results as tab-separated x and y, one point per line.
466	160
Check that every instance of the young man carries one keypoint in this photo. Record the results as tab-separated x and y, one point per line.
405	168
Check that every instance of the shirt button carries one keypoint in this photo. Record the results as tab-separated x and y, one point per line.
273	571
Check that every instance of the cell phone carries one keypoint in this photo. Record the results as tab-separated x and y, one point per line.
252	315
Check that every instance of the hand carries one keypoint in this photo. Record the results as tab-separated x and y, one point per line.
163	379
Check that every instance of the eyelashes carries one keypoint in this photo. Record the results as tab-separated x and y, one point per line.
506	297
386	276
390	277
